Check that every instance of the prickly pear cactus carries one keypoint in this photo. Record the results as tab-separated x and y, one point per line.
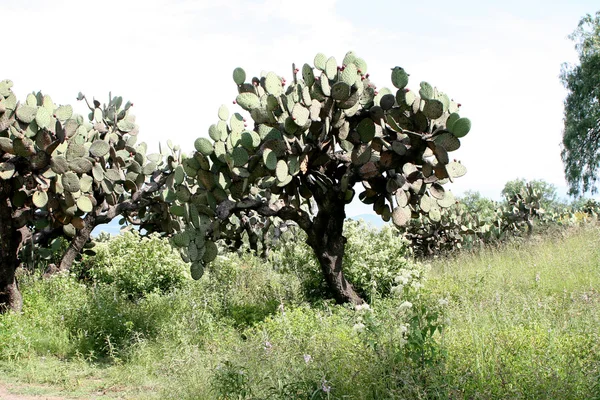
62	166
522	208
455	230
294	144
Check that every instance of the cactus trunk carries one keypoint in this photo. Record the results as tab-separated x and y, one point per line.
327	240
10	239
78	242
10	296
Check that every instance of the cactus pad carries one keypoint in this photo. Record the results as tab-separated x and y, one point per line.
320	61
401	215
399	77
461	127
70	182
197	270
239	76
248	101
7	170
84	204
40	198
203	146
210	252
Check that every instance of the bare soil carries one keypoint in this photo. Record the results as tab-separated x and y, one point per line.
8	392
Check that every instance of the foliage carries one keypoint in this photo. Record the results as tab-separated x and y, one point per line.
248	289
580	153
479	222
311	142
516	322
61	175
34	257
373	260
547	191
135	266
523	206
519	318
475	204
455	229
61	166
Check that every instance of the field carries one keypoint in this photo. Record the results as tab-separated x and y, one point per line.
520	321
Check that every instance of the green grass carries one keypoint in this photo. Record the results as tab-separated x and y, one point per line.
522	322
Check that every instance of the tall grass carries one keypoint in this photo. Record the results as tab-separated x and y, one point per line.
523	320
520	322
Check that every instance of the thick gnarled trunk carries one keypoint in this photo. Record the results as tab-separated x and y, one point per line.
77	243
327	240
10	240
10	295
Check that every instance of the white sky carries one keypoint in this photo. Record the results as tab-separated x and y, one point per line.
173	59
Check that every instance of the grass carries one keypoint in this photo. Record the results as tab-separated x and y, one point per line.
524	319
521	323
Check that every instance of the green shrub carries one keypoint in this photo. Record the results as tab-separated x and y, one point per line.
372	261
246	289
374	257
41	328
136	266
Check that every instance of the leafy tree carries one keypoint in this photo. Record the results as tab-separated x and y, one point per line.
581	135
474	203
311	143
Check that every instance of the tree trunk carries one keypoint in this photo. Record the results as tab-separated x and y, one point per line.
327	240
10	296
10	240
76	246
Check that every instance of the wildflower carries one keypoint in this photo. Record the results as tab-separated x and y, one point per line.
406	305
403	280
307	358
443	302
404	328
397	290
359	327
326	388
360	307
268	346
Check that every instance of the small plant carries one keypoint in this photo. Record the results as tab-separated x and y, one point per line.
230	382
135	265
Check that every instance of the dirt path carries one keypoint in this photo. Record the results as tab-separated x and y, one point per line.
7	389
26	391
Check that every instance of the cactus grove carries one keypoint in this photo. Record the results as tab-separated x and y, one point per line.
306	148
61	175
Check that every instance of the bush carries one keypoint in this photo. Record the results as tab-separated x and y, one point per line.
136	266
246	290
372	260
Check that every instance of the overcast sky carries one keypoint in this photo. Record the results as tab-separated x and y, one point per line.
173	59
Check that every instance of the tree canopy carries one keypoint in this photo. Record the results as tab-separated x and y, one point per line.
581	135
312	144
